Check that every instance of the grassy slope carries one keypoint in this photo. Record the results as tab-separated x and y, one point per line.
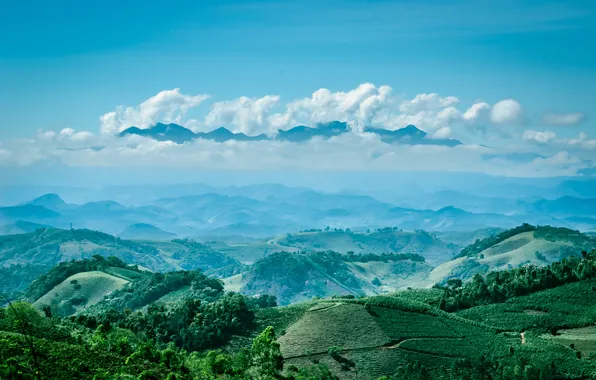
93	287
512	252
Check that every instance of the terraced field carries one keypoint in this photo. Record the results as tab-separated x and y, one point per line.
566	306
371	336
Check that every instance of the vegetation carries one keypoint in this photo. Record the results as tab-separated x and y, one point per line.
531	322
46	282
153	286
499	286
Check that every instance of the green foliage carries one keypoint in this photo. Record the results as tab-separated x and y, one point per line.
267	361
262	301
153	286
499	286
190	324
565	306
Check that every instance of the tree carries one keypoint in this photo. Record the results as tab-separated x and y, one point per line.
267	361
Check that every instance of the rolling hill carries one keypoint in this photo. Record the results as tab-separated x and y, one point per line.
385	240
122	314
80	291
522	245
25	256
293	277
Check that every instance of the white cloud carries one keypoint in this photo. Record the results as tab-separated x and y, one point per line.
506	111
361	105
247	115
442	133
169	106
563	119
67	132
476	111
423	102
353	151
82	136
540	137
365	105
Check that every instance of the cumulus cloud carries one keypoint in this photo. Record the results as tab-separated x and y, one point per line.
506	111
366	105
423	102
359	105
169	106
476	111
246	115
540	137
563	119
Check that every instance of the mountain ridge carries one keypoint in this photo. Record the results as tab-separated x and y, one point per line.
410	134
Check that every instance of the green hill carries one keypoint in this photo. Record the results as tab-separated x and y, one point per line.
98	284
80	291
23	257
512	248
293	277
526	323
383	240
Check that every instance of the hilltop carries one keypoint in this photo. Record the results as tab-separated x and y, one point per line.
145	231
525	244
109	283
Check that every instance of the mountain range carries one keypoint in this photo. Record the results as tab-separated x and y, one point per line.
270	210
179	134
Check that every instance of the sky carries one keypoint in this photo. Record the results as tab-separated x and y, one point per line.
510	79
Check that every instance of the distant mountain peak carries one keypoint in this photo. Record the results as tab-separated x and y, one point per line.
48	200
410	134
451	210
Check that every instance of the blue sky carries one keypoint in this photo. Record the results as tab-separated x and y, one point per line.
63	64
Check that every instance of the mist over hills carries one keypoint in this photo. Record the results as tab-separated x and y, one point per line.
195	210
